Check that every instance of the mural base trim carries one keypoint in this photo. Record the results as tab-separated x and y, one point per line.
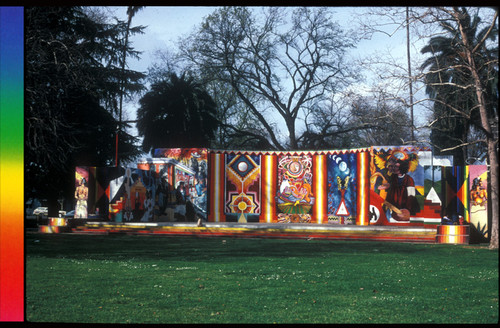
266	230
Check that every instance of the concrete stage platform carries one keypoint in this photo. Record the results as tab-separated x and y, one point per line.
412	234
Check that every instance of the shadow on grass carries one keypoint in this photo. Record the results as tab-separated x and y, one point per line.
209	248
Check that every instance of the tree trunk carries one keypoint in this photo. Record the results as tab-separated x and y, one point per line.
492	149
493	160
290	124
53	206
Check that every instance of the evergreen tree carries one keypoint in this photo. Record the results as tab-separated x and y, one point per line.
176	113
72	83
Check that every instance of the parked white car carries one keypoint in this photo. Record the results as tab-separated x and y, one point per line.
41	211
44	211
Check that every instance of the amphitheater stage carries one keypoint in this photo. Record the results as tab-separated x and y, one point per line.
411	234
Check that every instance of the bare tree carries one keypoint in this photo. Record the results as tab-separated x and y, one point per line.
278	66
391	76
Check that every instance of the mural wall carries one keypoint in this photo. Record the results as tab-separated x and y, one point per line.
399	186
289	187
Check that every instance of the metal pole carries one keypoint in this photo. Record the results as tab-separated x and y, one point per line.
409	71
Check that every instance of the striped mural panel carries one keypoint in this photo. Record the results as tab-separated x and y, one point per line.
453	234
363	189
319	187
57	222
464	191
269	169
216	188
453	229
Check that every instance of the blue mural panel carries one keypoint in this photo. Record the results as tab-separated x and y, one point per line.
341	188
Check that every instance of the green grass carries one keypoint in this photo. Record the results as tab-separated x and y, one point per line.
158	279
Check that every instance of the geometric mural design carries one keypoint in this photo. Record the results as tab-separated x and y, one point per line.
453	186
242	196
432	191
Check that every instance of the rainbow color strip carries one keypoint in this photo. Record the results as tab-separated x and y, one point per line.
11	164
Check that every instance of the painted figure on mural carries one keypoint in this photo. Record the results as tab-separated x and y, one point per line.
148	207
478	193
200	199
400	200
136	212
163	191
127	210
180	193
81	196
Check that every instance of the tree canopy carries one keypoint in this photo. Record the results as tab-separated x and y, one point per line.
176	112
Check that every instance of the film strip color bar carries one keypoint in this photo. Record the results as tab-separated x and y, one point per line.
453	234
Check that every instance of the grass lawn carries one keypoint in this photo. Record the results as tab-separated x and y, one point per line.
159	279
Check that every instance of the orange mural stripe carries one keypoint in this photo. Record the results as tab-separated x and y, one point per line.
217	186
465	197
212	190
363	189
319	188
268	188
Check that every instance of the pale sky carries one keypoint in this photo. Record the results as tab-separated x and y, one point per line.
164	25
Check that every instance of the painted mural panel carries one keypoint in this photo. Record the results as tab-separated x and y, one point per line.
342	188
81	192
189	181
432	191
478	182
454	191
132	196
102	177
294	195
242	187
396	185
